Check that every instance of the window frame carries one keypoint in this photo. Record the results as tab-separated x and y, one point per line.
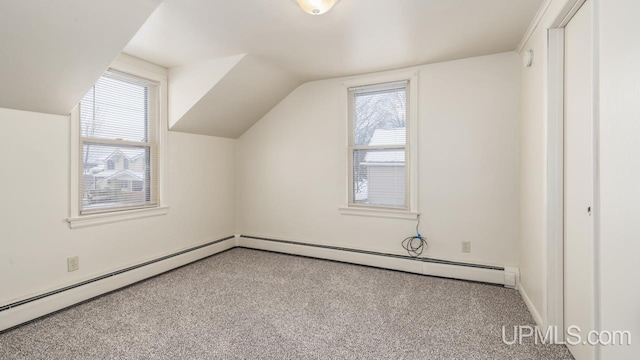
382	81
138	68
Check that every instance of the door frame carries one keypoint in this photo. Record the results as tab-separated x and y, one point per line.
555	170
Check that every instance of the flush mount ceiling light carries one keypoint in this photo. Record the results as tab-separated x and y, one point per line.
316	7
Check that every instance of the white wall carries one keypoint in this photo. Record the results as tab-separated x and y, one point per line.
292	166
619	152
533	166
35	238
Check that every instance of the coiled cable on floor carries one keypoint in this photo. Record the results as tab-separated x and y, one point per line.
415	245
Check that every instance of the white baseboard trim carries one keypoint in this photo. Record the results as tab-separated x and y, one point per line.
452	271
24	312
532	309
20	312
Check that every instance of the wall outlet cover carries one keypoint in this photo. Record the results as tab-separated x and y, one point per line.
73	264
466	246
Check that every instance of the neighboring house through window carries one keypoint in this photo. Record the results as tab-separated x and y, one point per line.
118	121
120	126
381	143
379	139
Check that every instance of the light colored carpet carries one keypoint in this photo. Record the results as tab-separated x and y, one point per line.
246	304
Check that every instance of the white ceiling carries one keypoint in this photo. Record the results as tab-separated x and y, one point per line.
286	47
52	52
357	36
236	101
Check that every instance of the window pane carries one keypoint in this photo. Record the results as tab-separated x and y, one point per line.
380	117
379	177
117	174
116	109
105	181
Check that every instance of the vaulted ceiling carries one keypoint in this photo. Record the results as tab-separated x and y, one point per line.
230	62
286	47
52	52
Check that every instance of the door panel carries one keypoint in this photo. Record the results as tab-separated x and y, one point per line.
579	178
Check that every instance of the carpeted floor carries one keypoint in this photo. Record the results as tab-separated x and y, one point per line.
247	304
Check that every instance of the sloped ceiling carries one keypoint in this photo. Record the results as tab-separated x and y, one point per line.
238	100
230	62
286	47
190	83
53	51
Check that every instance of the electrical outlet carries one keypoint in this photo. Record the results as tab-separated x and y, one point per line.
73	264
466	246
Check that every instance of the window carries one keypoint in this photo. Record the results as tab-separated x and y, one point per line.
381	146
118	146
378	145
118	121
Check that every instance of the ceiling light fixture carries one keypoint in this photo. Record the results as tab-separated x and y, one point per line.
316	7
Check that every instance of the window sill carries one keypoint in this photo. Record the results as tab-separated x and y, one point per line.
383	213
116	216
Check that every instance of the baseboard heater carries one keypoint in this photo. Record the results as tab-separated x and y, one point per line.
26	310
29	309
506	276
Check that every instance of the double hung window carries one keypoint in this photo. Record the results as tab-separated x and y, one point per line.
119	144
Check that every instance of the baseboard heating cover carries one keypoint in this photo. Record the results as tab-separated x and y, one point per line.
25	310
507	276
31	308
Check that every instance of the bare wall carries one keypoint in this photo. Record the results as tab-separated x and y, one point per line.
619	173
35	238
292	166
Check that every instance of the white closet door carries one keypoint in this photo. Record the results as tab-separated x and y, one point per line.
579	180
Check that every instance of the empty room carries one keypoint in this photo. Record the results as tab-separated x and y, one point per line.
319	179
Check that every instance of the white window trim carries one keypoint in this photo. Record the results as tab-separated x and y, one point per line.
411	211
134	66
